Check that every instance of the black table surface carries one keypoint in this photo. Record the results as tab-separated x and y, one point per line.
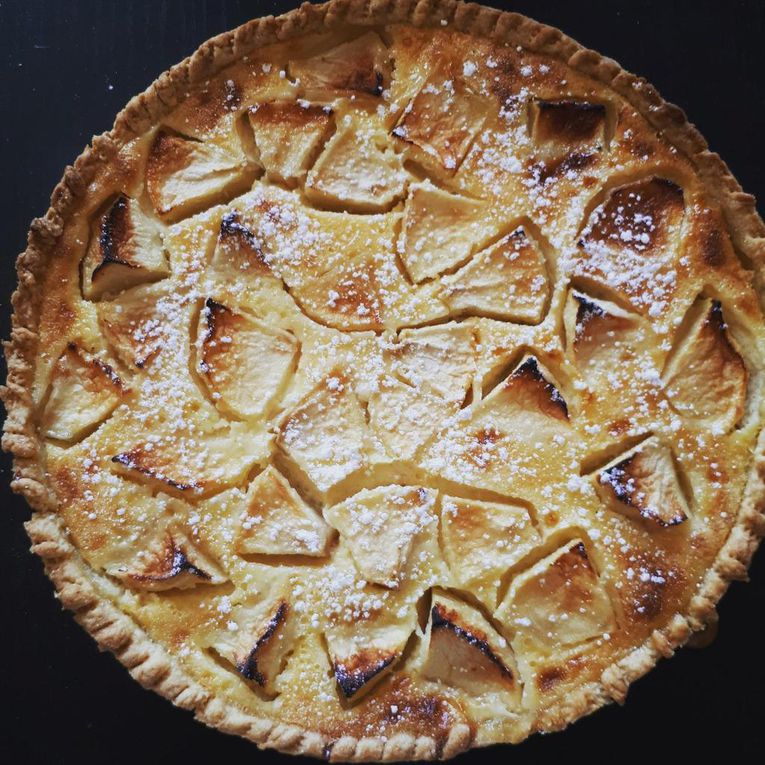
67	68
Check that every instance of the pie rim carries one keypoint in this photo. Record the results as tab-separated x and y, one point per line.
112	629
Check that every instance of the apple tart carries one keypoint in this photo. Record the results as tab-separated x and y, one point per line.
388	381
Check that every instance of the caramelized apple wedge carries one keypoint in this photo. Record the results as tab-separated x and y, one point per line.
172	561
195	462
84	391
125	250
184	176
354	68
596	330
237	250
558	602
558	126
506	281
706	377
520	428
643	484
463	650
631	243
363	654
256	641
358	171
288	135
482	540
276	521
244	362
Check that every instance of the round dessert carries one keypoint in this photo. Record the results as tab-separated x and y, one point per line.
388	381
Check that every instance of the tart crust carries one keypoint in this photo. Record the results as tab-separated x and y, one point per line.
146	659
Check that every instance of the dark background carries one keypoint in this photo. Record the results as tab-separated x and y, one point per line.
67	68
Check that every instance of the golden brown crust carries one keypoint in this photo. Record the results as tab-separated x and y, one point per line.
75	581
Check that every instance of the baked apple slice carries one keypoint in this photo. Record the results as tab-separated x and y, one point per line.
185	176
125	250
326	436
440	230
256	641
558	602
706	378
463	650
244	362
276	521
482	540
358	171
643	483
171	561
558	126
362	654
631	243
439	360
404	417
139	323
506	281
237	249
596	330
84	391
439	124
380	527
194	462
521	428
288	135
360	67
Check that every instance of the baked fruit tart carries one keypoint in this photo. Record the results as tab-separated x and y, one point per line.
388	381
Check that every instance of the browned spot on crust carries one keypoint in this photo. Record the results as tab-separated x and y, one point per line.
712	247
547	395
248	667
415	712
569	121
549	678
443	618
356	671
637	216
59	318
652	585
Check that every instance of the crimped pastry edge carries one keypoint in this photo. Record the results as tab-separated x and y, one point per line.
112	629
